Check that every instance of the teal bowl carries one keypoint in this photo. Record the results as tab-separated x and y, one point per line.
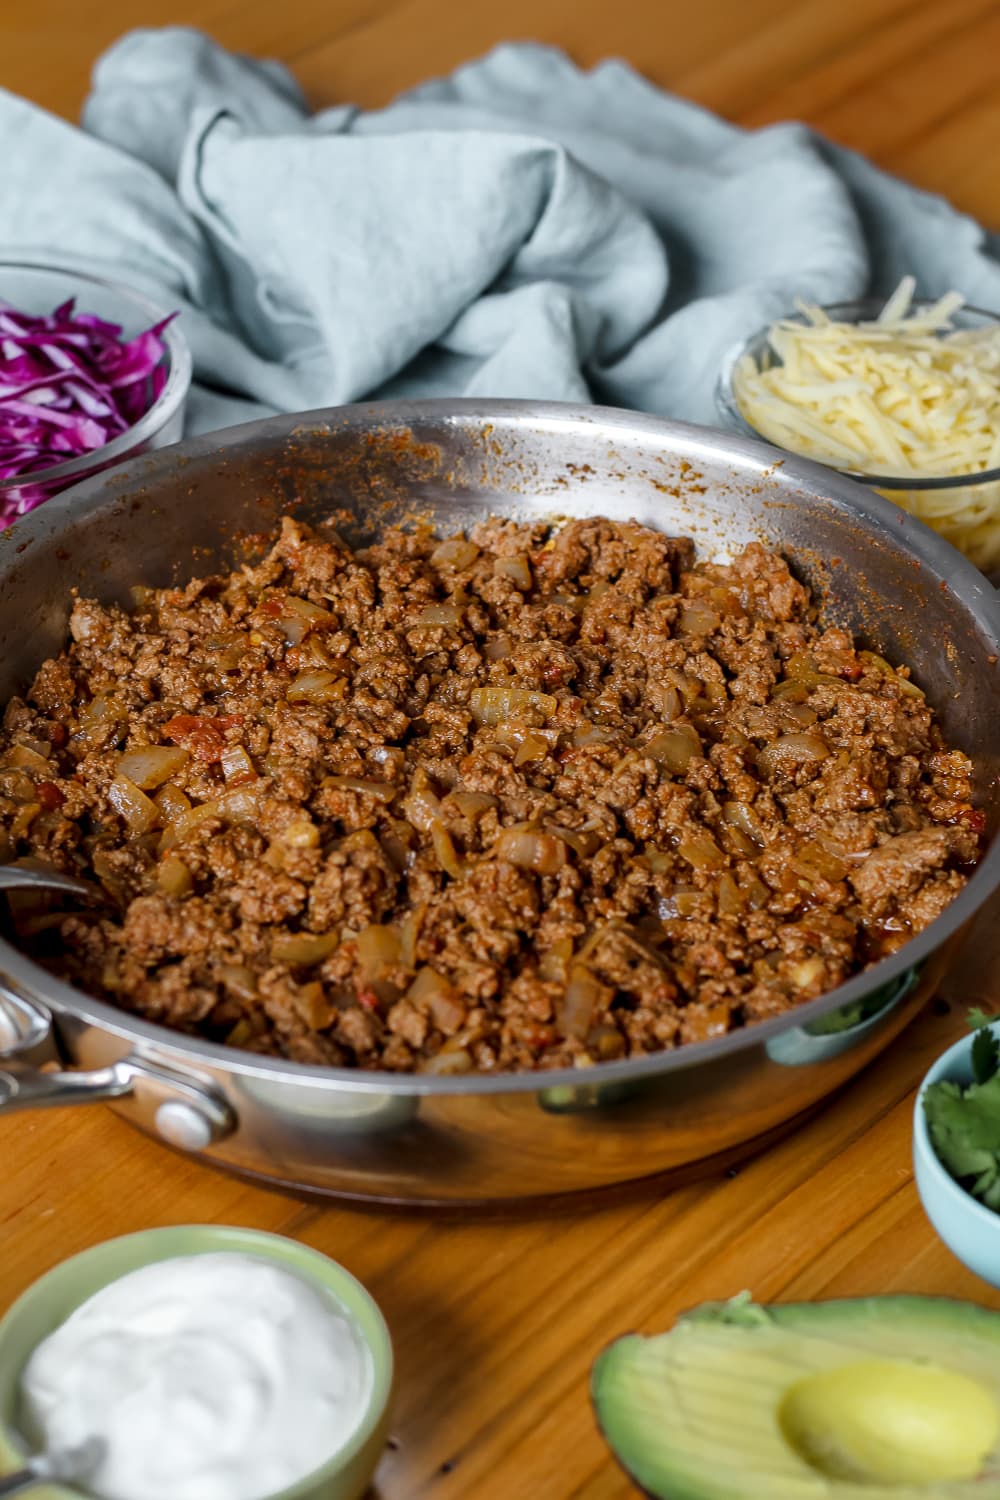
50	1301
969	1229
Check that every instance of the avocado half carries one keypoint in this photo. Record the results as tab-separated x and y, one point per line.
886	1398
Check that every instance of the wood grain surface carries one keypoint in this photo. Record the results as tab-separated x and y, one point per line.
496	1323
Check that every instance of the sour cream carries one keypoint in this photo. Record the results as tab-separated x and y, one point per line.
208	1377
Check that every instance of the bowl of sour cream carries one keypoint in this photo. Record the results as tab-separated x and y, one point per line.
210	1363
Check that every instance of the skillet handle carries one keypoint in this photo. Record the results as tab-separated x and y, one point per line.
25	1087
186	1111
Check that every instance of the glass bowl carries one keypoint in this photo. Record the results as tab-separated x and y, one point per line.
963	508
37	289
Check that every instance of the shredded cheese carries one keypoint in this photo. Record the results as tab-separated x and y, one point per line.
904	395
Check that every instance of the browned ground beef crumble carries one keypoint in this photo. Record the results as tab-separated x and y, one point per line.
535	798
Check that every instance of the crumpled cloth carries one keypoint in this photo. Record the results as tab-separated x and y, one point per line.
520	229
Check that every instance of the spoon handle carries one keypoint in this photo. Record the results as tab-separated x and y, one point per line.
17	1484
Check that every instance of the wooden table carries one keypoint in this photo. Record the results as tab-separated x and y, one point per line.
496	1324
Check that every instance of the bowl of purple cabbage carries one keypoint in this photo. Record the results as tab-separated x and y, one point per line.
90	373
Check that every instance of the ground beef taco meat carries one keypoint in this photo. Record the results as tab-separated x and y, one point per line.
532	798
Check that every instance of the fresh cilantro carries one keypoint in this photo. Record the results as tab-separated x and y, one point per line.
985	1055
977	1019
964	1125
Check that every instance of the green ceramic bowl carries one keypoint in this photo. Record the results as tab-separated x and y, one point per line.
49	1302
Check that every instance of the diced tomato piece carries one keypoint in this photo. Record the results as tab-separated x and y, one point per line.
368	999
272	607
49	795
553	674
56	734
200	734
973	818
539	1036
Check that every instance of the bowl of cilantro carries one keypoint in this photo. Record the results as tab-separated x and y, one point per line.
956	1147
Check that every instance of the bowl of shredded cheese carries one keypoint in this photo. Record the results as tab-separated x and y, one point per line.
904	396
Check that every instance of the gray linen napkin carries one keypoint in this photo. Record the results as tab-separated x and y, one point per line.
520	229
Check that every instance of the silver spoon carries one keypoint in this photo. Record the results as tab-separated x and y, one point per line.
38	878
61	1466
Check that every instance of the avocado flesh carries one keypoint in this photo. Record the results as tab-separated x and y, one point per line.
892	1398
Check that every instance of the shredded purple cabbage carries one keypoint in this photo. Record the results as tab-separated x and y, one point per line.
68	386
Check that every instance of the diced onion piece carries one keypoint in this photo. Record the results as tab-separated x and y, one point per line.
666	699
432	992
674	748
801	667
789	692
22	757
529	849
25	817
806	973
324	686
173	877
172	803
532	747
498	648
741	815
300	833
313	1006
494	705
578	1008
237	767
785	754
447	1064
757	894
591	734
305	948
555	961
456	552
813	859
739	841
439	614
240	980
445	852
516	568
17	785
409	933
687	901
422	805
240	805
101	716
150	766
697	618
877	663
583	841
701	853
132	805
378	949
299	616
470	805
380	789
731	899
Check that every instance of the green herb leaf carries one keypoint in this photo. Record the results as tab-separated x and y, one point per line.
985	1055
978	1018
964	1126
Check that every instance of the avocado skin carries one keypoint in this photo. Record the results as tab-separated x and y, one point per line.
932	1320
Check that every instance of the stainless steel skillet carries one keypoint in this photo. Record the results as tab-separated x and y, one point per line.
194	507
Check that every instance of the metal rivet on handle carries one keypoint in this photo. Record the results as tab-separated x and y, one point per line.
184	1125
